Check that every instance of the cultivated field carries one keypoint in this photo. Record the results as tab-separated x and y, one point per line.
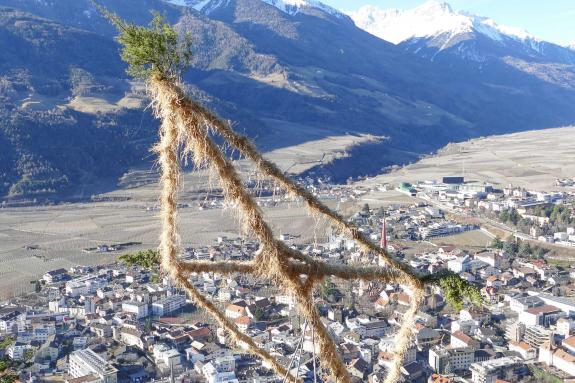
530	159
35	240
38	239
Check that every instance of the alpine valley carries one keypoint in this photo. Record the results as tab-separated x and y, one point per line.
284	72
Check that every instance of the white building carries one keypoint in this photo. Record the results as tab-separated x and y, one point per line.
490	371
459	264
139	309
12	322
87	362
168	305
539	315
375	329
54	276
169	357
17	351
449	360
212	374
561	236
88	284
514	331
520	304
287	300
225	363
77	287
565	326
492	259
557	357
535	336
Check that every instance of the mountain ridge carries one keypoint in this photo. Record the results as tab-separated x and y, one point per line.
282	78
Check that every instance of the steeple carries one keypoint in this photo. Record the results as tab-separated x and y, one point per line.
383	241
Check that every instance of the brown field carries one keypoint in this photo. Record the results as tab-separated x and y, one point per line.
531	159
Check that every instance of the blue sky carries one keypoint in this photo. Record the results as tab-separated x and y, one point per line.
551	20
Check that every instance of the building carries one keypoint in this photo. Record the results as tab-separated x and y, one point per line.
450	360
213	375
12	322
88	284
168	305
169	357
526	351
569	344
520	304
557	357
225	363
566	304
441	230
459	339
565	327
55	276
17	351
490	371
515	331
427	337
375	329
243	323
139	309
387	347
359	368
459	264
453	180
84	363
235	311
540	315
535	336
478	315
129	336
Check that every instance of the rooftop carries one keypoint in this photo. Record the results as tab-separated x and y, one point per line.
94	362
545	309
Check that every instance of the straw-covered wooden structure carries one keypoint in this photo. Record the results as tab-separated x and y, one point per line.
158	54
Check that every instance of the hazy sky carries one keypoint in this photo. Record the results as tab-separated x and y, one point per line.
551	20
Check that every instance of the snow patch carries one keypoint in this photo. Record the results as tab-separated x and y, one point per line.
181	3
293	6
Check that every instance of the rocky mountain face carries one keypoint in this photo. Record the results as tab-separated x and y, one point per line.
284	71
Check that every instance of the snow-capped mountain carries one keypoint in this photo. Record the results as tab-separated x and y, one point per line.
435	27
291	7
431	19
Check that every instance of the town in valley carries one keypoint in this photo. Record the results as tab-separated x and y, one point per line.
124	321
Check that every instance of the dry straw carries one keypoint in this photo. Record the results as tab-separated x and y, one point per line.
186	130
185	127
